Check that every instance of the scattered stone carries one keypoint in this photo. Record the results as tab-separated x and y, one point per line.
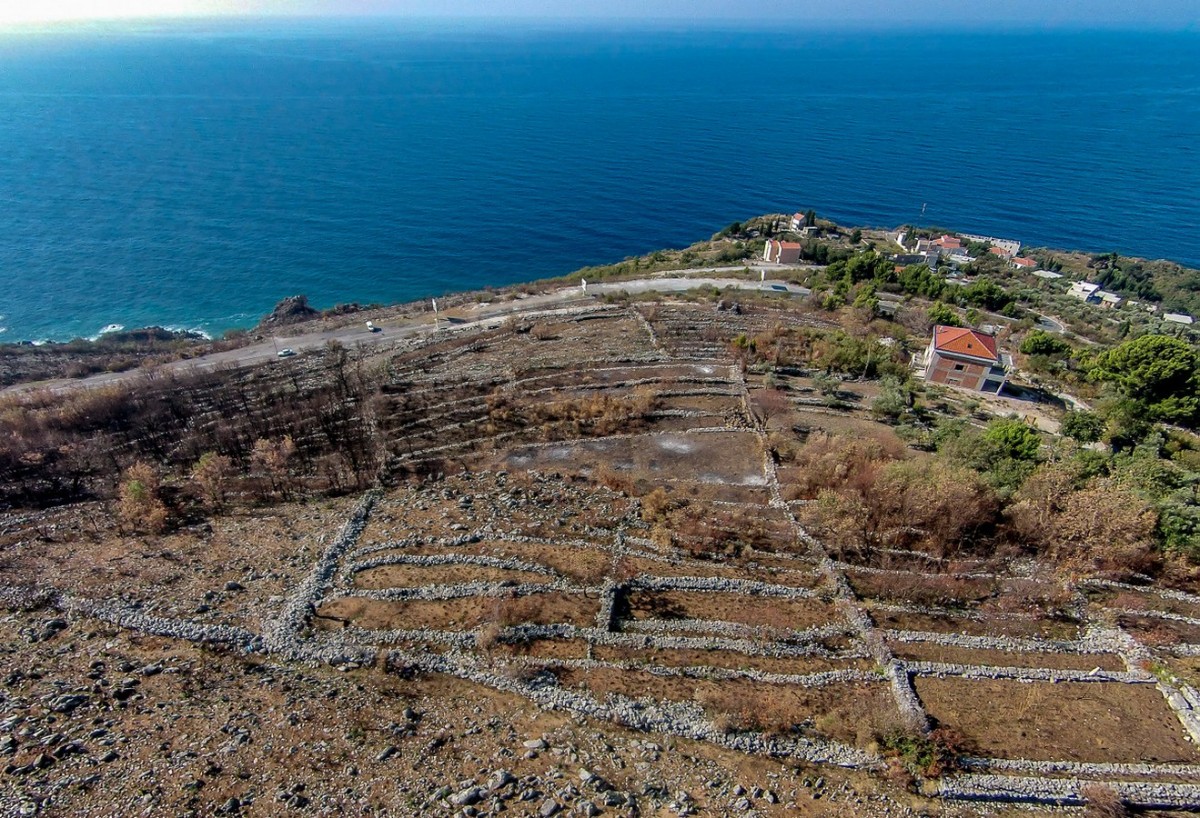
68	703
467	797
499	780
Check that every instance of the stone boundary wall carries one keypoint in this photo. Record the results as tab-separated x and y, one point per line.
941	669
465	590
1010	644
439	560
731	629
125	615
1065	791
717	674
719	585
282	636
684	720
1077	768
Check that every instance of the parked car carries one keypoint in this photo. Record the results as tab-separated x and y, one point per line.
286	352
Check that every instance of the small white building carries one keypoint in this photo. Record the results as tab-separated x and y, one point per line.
1109	300
1178	318
1084	290
799	221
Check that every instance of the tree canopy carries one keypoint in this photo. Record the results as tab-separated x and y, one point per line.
1040	342
1160	372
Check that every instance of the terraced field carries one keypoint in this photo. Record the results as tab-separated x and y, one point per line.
512	544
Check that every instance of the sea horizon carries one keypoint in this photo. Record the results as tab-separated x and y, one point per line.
194	178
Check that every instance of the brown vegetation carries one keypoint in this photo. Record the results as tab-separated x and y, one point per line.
868	498
64	447
1102	528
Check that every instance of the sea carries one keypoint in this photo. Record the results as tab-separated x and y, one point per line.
192	174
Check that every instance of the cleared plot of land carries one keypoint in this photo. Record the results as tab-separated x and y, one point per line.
729	659
770	612
991	626
458	614
722	457
1187	668
415	576
578	563
1156	631
838	711
698	375
1137	600
634	566
716	405
1068	721
933	652
543	649
920	589
987	597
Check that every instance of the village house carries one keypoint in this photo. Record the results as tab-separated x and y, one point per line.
905	259
1009	247
1109	301
1177	318
782	252
957	356
799	221
1023	263
1084	290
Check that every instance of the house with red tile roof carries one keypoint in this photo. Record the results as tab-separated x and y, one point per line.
800	221
958	356
1024	263
782	252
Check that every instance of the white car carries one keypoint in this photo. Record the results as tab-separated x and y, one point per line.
286	352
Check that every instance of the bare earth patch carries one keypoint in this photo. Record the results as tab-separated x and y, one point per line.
793	614
1068	721
933	652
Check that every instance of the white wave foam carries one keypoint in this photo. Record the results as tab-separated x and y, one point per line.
108	330
203	333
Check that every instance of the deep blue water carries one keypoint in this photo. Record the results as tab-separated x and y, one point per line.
192	176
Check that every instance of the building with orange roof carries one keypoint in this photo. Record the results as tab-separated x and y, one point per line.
958	356
782	252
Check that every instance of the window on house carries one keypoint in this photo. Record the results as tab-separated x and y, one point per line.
959	367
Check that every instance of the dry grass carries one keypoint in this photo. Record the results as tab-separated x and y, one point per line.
1068	721
770	612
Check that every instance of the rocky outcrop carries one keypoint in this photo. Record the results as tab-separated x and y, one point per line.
292	310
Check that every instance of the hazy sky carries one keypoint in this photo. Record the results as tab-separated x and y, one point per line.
1158	13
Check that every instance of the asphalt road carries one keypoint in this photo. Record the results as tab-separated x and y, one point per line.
405	328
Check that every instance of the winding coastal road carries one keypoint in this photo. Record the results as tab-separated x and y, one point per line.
311	336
